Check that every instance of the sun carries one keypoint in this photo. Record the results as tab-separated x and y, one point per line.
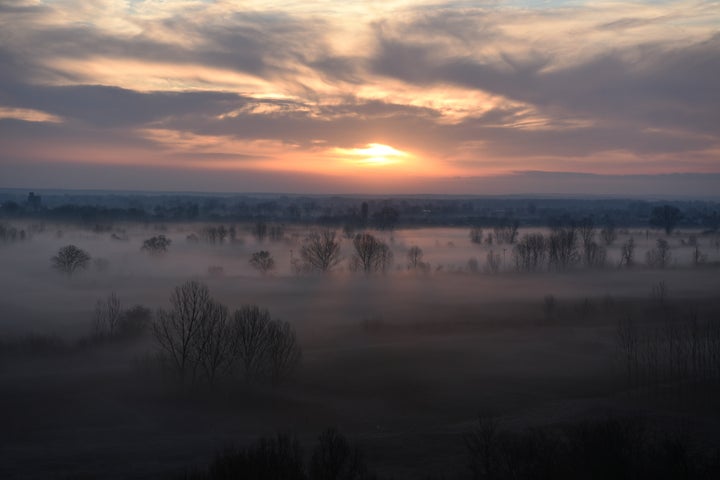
373	155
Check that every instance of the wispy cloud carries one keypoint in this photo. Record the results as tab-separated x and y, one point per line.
468	88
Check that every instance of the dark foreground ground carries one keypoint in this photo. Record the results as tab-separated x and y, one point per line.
403	367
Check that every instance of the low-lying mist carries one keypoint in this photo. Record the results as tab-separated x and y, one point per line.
401	352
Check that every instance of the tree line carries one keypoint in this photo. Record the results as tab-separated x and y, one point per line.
201	341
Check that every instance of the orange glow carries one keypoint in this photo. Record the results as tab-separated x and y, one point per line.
373	155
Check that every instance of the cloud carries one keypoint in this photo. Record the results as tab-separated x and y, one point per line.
112	106
468	88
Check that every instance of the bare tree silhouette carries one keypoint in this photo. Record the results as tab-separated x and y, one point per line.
108	313
414	257
659	257
262	261
156	245
70	259
265	348
371	255
529	252
321	251
250	324
178	330
213	350
283	351
627	253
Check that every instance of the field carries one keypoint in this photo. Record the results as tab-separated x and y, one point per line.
402	362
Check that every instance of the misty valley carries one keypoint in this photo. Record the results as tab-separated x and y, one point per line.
261	349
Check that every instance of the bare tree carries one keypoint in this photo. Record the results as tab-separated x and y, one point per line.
586	227
335	458
108	313
493	262
214	348
529	253
371	255
250	325
414	257
608	233
476	235
594	255
562	248
265	348
283	350
70	259
628	341
627	253
506	231
321	251
484	443
659	257
178	330
276	232
262	261
214	234
260	230
698	258
157	245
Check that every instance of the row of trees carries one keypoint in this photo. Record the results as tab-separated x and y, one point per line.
562	249
201	341
683	348
11	234
566	247
320	253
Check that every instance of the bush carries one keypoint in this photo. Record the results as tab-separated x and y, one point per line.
157	245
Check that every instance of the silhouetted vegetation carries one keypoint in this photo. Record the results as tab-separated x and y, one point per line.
665	217
11	234
281	458
522	317
659	257
617	448
385	213
682	350
262	261
156	245
200	341
320	251
371	255
70	259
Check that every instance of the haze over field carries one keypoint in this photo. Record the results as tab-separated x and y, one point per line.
367	97
360	240
402	356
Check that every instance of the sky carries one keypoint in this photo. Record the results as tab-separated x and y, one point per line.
392	96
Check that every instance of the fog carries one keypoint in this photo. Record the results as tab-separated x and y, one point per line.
402	362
